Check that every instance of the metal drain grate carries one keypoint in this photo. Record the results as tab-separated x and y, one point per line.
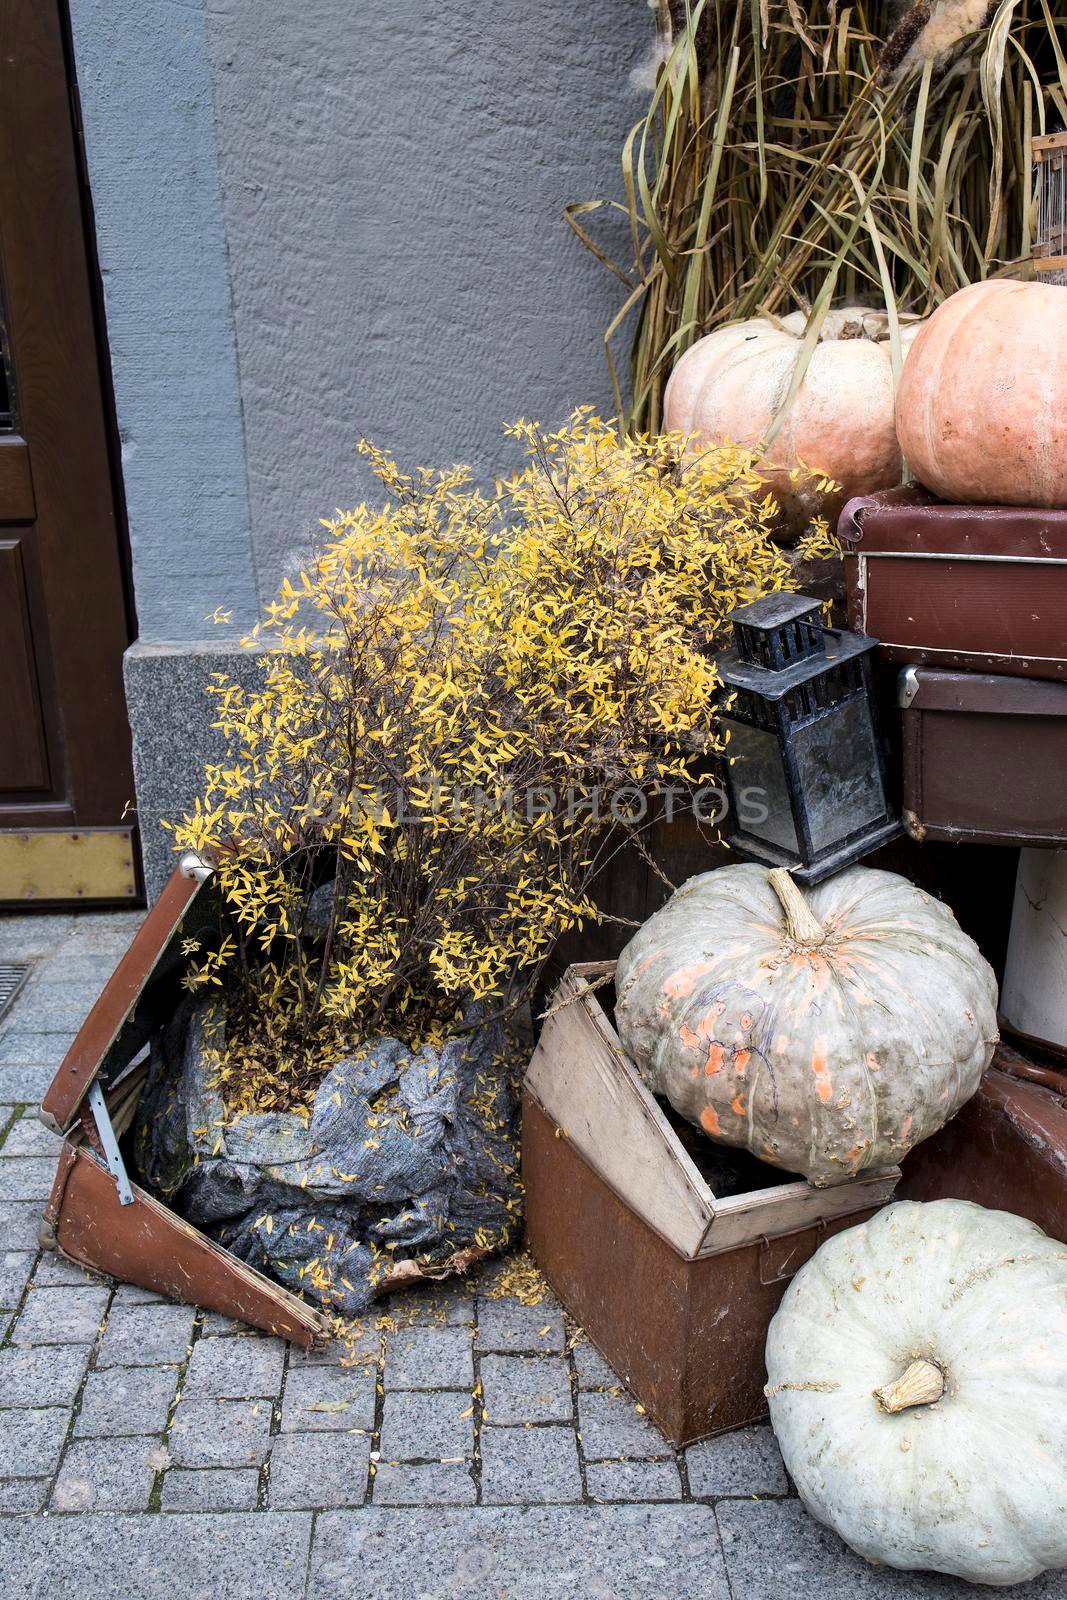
13	975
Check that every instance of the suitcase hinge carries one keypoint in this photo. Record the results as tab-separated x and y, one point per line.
112	1153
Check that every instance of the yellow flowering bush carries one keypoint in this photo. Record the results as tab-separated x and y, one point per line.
445	697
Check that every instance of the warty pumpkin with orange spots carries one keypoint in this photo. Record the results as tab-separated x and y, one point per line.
827	1031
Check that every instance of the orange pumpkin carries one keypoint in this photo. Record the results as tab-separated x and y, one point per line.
731	384
982	403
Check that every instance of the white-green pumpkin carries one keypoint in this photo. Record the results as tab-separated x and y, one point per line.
917	1384
827	1030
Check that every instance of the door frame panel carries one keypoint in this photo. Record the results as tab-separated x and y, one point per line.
62	466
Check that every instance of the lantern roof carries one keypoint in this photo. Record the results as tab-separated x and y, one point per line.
772	611
773	684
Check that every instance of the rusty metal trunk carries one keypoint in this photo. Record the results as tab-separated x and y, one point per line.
674	1285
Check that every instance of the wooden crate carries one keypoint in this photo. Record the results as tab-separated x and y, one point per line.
674	1285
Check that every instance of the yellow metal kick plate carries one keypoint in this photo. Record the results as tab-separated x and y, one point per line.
87	864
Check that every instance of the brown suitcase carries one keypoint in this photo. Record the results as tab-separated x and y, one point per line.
982	588
96	1215
984	757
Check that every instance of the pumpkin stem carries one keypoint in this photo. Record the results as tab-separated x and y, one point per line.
801	923
921	1384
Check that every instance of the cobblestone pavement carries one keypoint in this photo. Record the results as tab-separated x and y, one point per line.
476	1446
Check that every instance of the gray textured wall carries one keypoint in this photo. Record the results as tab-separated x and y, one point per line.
393	178
316	221
372	195
145	85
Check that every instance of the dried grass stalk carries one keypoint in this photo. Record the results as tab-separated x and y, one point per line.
793	155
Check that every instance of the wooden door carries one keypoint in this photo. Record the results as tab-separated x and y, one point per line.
65	771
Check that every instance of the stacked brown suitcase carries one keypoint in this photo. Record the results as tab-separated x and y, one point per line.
970	602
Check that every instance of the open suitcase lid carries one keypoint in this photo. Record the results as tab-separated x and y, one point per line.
119	1024
96	1216
911	521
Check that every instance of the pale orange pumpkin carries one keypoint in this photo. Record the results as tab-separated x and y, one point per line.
982	403
731	384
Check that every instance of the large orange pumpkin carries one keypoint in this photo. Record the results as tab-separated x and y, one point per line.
982	403
731	384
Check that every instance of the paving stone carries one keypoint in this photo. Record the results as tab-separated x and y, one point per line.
93	924
28	1137
438	1305
611	1426
417	1426
61	1316
131	1294
19	1222
28	937
30	1441
55	1271
329	1399
42	1377
601	1553
743	1463
242	1556
146	1336
55	1007
211	1489
526	1389
234	1369
34	1047
318	1471
529	1466
429	1358
29	1081
360	1348
219	1327
633	1480
221	1433
434	1483
507	1324
105	945
84	968
15	1269
106	953
105	1475
18	1495
126	1400
27	1178
775	1551
593	1371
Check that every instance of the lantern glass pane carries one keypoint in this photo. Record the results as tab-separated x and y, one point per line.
758	784
839	773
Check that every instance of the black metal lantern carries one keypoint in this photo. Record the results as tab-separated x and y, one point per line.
806	774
